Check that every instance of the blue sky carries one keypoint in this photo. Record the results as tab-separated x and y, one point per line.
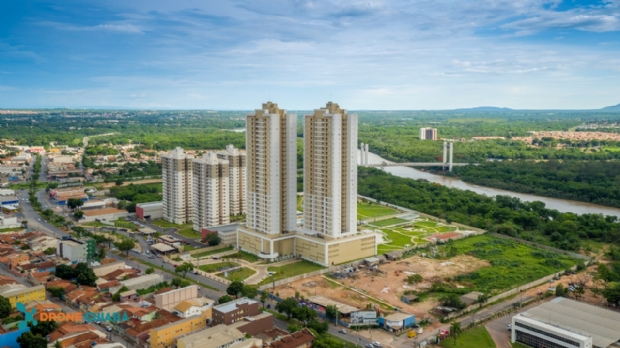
379	54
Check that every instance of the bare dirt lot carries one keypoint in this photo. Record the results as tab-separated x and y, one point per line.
387	286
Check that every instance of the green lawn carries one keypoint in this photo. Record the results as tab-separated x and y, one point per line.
372	210
512	263
165	224
345	344
242	274
396	238
244	256
214	266
11	229
212	252
519	345
189	233
188	248
388	222
290	270
94	224
300	201
477	337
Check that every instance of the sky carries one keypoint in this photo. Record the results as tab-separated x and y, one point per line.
379	54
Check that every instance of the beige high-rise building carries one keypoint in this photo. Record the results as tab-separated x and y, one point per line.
271	148
177	186
428	133
236	179
330	171
210	191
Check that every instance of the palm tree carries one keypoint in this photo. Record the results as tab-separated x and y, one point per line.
455	330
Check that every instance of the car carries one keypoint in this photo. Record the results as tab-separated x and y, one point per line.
509	327
39	219
369	345
342	331
108	328
376	344
268	305
97	321
196	272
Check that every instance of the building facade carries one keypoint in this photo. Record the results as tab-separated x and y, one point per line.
428	133
330	172
271	144
177	186
236	179
210	185
150	210
234	311
20	293
165	336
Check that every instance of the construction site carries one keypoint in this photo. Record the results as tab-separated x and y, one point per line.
381	283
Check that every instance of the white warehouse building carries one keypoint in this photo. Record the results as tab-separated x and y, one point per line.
566	323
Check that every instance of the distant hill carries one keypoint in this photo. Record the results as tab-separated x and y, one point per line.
615	108
484	109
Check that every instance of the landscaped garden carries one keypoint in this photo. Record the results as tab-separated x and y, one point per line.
212	252
367	209
388	222
189	233
411	234
238	274
217	267
243	256
477	337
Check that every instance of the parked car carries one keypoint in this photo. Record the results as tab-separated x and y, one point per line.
509	327
108	328
342	331
376	344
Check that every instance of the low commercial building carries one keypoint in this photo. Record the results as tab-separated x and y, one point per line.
106	214
190	308
8	221
234	311
20	293
227	234
320	304
72	250
141	282
150	210
397	321
43	243
107	268
253	325
471	297
299	339
165	336
566	323
162	248
220	336
168	300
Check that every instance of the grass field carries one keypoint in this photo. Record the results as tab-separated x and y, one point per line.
513	264
367	210
94	224
477	337
242	274
519	345
290	270
188	248
189	233
11	229
212	252
388	222
214	266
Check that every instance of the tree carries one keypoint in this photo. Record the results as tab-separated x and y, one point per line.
287	306
85	275
25	223
612	293
414	278
149	270
579	291
560	291
331	312
56	291
5	307
452	300
263	297
249	291
118	182
212	239
101	253
29	340
326	342
184	268
65	272
455	330
304	314
50	251
75	203
224	299
176	282
43	328
57	344
78	214
320	327
293	327
125	245
235	288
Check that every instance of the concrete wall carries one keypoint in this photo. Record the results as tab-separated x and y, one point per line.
170	299
351	250
311	250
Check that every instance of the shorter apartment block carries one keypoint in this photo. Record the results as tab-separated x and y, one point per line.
220	336
234	311
165	336
20	293
76	250
177	186
210	185
168	300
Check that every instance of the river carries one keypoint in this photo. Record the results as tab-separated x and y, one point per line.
562	205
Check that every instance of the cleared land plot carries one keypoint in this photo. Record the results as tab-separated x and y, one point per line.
291	270
388	222
217	267
240	274
212	252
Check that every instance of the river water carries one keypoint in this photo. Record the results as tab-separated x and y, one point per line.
562	205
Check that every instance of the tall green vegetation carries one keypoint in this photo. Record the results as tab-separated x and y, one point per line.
502	214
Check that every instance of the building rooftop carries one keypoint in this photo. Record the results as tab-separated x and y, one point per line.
230	306
323	301
212	337
105	211
142	279
581	318
149	204
398	316
293	340
163	248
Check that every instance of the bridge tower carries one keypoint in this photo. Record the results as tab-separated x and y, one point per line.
445	154
451	152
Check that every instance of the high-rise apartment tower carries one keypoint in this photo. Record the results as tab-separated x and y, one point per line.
177	186
330	171
210	191
271	147
428	133
236	179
